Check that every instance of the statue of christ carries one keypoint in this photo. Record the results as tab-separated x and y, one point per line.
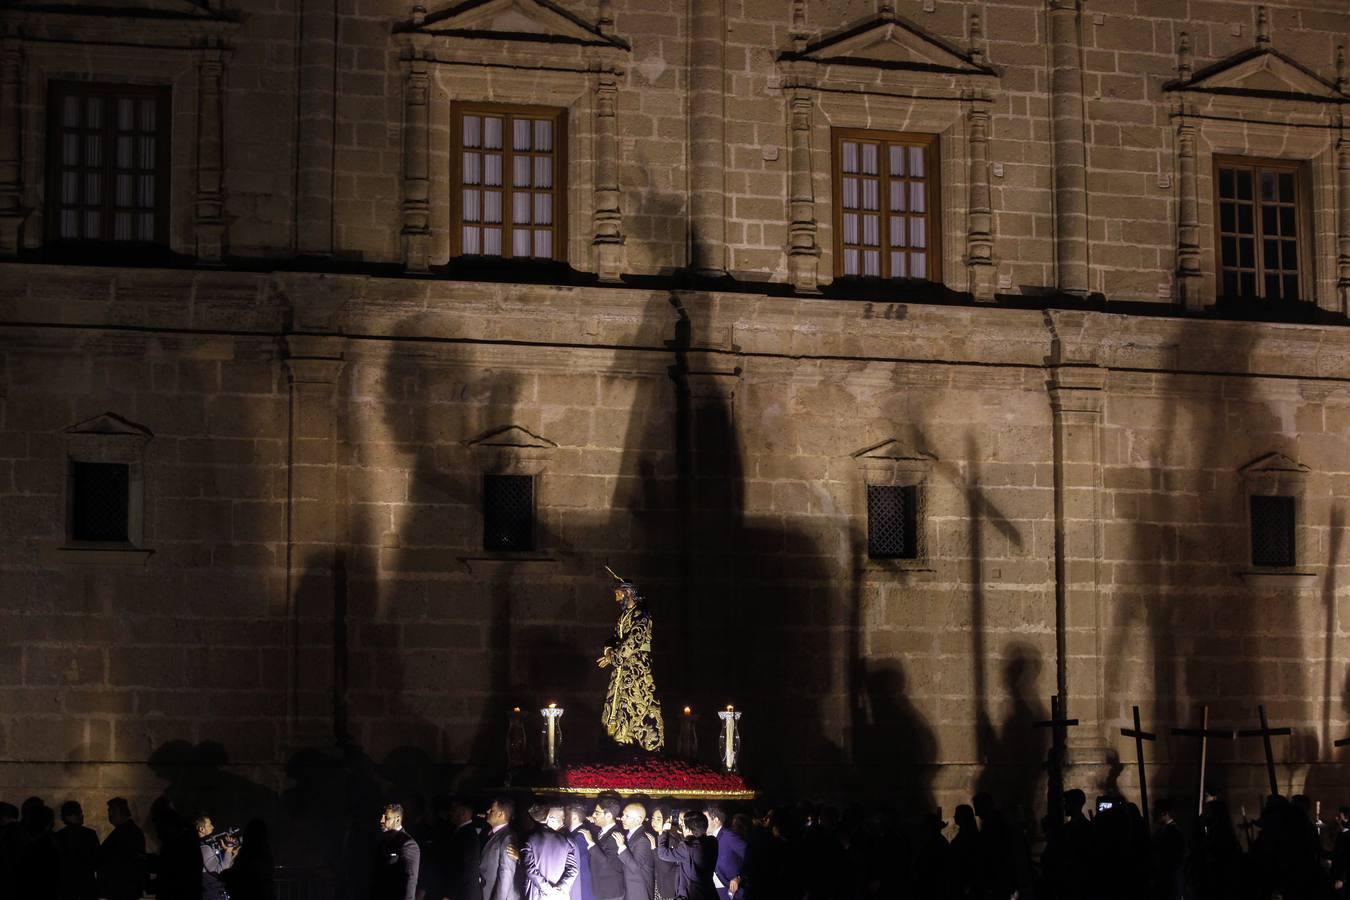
632	714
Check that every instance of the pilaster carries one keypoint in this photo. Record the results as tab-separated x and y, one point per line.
208	219
1343	223
12	212
1188	220
314	364
980	215
416	164
316	127
803	251
1077	399
608	242
1070	159
707	144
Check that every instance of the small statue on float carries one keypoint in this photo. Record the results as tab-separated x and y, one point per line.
632	714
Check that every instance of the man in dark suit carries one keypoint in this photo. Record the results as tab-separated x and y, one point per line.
637	854
458	852
121	858
501	853
79	855
579	831
606	870
730	853
549	859
396	859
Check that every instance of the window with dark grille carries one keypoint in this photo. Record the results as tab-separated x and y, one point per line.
100	501
508	512
1260	224
510	191
892	521
1272	531
887	224
108	163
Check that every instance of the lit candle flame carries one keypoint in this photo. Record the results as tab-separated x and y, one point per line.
515	709
553	706
687	710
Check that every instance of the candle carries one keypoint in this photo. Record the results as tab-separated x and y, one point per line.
728	752
551	734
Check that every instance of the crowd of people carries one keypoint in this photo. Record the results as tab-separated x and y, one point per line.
635	848
194	860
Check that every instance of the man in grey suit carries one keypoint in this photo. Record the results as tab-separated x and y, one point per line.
549	858
501	853
637	855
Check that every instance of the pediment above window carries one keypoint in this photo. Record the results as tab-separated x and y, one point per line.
509	27
889	43
1274	463
893	449
1261	73
111	425
513	436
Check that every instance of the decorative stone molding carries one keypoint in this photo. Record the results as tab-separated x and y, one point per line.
608	216
107	438
416	164
209	217
888	73
575	64
1259	102
1276	475
896	464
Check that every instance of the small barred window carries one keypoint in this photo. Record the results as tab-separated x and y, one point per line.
1273	531
508	512
100	501
892	521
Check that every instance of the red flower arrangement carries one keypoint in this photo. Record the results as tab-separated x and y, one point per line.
655	776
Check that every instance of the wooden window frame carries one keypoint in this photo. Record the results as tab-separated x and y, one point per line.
560	170
57	92
1302	214
933	213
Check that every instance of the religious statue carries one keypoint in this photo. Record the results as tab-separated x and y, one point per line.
632	714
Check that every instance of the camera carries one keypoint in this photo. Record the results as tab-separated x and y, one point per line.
228	836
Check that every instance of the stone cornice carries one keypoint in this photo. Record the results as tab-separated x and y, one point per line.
750	327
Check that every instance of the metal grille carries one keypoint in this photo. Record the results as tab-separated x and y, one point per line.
1272	531
892	521
508	512
99	501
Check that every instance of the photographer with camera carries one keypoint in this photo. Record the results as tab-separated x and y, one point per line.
219	850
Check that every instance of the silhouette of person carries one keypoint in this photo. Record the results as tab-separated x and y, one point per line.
965	854
39	859
1169	854
396	859
250	878
932	860
78	849
121	856
178	867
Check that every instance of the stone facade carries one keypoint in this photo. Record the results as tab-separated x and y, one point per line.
311	389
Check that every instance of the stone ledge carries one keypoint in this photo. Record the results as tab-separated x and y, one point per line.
116	555
490	565
1282	580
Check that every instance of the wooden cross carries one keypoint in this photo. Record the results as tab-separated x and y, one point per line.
1140	735
1265	732
1204	733
1057	725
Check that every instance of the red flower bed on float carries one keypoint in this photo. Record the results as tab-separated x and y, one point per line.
656	777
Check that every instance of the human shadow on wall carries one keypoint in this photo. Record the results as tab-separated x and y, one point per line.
893	744
1012	754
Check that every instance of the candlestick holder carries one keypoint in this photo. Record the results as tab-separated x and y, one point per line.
729	745
515	739
552	736
686	743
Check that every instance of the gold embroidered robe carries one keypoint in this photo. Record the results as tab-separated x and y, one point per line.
632	714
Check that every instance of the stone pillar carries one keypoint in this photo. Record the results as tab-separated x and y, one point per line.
607	244
315	130
1066	118
416	165
1077	391
707	137
316	701
1188	220
12	212
803	251
208	219
1343	224
980	214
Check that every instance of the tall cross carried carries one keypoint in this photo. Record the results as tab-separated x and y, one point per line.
1140	735
1265	732
1204	733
